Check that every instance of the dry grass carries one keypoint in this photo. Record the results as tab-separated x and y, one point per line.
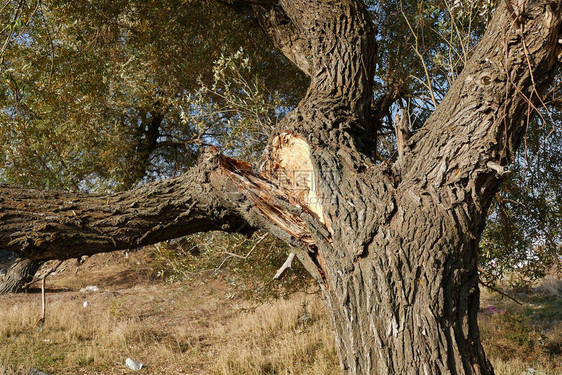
285	337
203	327
200	327
524	336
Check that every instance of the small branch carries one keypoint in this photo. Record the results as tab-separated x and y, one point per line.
51	44
417	51
499	291
244	257
402	131
512	12
284	267
79	262
17	14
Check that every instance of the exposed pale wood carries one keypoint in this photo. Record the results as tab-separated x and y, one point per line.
290	164
286	265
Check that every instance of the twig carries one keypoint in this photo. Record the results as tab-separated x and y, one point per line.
416	50
499	291
17	14
244	257
284	267
79	262
512	12
40	4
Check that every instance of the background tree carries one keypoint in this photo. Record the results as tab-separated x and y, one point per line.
93	93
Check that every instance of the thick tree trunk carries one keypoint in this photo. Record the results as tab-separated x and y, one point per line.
410	302
18	275
394	247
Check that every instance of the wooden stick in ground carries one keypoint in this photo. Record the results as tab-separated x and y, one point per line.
43	308
43	300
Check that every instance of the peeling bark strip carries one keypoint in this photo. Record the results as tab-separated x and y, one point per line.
281	203
272	201
394	247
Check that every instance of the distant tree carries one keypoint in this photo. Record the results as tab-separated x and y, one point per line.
390	232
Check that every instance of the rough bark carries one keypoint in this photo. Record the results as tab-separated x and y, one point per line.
18	275
60	224
394	247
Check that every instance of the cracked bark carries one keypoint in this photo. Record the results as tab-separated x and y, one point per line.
18	275
394	247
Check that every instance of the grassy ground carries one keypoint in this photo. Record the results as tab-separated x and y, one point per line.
207	326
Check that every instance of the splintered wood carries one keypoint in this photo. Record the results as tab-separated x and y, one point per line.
287	181
290	163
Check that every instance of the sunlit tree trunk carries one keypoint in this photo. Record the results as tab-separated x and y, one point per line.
18	275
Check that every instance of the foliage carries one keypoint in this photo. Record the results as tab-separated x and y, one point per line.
524	230
236	112
102	96
93	91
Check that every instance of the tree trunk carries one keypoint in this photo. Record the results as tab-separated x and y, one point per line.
409	303
18	275
393	246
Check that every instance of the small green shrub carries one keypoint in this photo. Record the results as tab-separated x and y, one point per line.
517	327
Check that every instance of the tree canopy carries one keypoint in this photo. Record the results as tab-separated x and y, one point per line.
101	96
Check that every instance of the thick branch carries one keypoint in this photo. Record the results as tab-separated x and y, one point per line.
220	193
342	49
479	124
285	35
58	224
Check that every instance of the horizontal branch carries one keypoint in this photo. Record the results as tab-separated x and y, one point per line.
42	224
219	193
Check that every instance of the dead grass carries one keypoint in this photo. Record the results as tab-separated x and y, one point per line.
517	337
204	327
284	337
